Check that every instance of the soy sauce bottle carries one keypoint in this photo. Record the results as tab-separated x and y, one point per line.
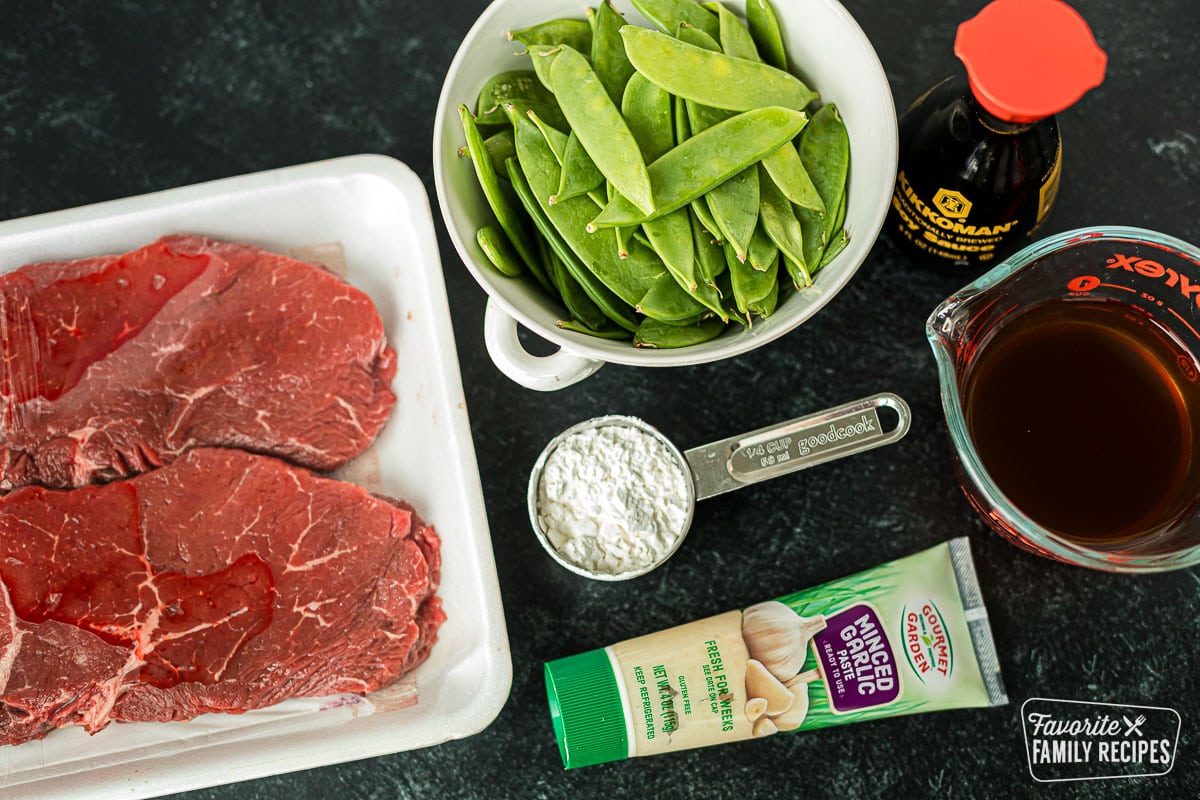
981	155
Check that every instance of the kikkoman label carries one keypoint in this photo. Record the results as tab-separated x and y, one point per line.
940	224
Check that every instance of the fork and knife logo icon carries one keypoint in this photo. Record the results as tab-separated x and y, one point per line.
1135	726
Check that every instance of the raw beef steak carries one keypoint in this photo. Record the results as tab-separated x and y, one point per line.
224	582
117	364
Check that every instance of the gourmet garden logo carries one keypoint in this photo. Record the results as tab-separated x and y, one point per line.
927	644
1071	740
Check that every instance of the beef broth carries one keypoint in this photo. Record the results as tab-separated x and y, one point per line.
1082	413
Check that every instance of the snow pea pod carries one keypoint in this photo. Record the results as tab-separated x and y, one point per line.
671	237
519	86
630	278
734	206
812	225
580	174
670	299
608	52
766	306
653	334
839	217
574	33
784	164
543	249
577	167
542	57
500	147
836	246
499	251
825	153
736	40
699	208
836	236
706	160
701	117
666	302
750	286
667	14
578	304
710	78
506	214
555	139
647	110
780	224
762	250
606	332
604	298
698	38
682	134
710	255
788	172
601	128
725	287
764	27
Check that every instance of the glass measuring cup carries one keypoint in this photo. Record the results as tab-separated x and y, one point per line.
1151	285
728	464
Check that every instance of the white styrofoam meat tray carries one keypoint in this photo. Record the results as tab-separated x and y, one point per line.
378	210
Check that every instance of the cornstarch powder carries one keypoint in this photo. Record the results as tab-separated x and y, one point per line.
612	499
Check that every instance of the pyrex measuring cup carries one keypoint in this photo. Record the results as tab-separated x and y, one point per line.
738	461
1146	280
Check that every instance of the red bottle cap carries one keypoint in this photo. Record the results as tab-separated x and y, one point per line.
1028	59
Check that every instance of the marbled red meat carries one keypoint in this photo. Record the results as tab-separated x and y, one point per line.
223	582
111	366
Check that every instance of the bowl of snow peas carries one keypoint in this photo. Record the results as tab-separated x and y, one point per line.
660	182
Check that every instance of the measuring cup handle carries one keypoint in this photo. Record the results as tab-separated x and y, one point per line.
796	444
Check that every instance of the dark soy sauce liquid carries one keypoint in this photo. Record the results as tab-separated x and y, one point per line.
1081	417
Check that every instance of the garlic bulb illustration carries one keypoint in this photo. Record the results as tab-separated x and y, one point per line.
778	637
794	717
764	727
755	708
761	683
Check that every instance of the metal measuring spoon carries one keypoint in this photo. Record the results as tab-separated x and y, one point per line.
738	461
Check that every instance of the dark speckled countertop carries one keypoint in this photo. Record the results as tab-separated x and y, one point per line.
105	99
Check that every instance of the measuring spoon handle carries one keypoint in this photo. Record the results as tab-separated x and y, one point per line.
795	445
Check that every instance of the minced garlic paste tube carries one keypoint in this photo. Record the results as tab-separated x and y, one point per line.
906	637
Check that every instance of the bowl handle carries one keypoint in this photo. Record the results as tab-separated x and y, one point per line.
540	373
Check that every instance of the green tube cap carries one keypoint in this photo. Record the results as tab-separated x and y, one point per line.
586	709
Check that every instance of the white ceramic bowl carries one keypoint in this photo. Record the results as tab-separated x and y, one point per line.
827	49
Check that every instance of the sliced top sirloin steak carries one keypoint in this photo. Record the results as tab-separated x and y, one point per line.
223	582
116	364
